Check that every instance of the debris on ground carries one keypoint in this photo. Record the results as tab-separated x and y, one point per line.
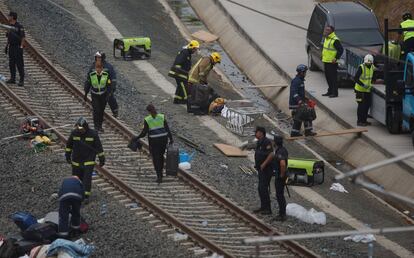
363	238
309	216
180	236
338	188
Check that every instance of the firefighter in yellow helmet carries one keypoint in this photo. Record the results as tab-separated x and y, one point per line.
197	78
179	71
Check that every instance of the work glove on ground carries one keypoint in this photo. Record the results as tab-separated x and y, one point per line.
101	161
68	158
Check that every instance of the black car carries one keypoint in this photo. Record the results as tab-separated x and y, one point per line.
355	25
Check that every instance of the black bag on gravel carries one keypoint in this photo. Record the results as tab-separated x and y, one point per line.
41	232
8	249
171	168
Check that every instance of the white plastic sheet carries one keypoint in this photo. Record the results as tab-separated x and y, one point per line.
338	188
309	216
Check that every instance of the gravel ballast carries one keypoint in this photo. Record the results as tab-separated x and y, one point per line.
71	43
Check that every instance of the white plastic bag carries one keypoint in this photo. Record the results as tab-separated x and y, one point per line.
338	188
184	165
364	238
309	216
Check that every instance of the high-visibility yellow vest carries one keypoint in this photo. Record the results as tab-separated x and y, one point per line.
156	126
408	24
365	78
99	86
329	51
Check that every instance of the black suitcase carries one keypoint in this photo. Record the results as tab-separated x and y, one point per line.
171	168
41	232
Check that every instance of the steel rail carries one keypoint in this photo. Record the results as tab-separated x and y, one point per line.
127	133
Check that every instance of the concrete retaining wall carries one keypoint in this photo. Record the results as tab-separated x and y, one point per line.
261	69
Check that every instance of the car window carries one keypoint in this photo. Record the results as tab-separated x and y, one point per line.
316	26
365	37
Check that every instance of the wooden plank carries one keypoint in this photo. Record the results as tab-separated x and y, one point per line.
230	151
338	132
265	86
204	36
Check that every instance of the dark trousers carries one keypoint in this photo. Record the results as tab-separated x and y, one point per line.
85	175
181	92
157	149
16	60
66	207
364	103
331	72
280	195
98	105
265	176
408	46
113	104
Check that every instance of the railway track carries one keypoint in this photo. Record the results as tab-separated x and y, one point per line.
183	203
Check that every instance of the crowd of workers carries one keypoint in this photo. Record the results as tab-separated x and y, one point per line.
84	145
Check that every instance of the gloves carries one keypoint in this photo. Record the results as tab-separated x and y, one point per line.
68	158
101	161
85	97
6	50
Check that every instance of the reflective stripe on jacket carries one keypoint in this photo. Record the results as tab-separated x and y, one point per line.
329	50
408	24
198	74
365	78
156	126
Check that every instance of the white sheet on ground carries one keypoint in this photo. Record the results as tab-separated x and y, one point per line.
309	216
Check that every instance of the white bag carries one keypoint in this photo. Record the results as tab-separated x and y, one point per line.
311	216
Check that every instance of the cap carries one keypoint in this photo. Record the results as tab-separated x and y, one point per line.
150	108
261	129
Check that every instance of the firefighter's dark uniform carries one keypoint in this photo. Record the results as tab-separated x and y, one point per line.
263	149
179	70
280	154
70	200
113	104
100	87
297	94
158	135
82	149
14	41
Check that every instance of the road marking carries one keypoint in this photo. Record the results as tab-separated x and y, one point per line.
158	79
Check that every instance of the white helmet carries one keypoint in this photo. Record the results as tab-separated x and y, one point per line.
369	59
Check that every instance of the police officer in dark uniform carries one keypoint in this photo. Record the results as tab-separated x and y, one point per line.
280	167
100	57
263	151
156	126
14	47
99	83
180	69
82	147
71	195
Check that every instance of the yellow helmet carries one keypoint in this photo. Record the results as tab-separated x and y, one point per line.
216	57
193	44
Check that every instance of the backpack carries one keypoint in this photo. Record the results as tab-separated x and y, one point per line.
41	232
23	219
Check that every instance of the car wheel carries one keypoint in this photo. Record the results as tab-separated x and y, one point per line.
311	64
394	120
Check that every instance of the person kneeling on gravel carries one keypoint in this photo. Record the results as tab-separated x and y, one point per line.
70	200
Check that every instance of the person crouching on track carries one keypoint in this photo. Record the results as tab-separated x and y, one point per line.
81	149
156	126
99	84
70	200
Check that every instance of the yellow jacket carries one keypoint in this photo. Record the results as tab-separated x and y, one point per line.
199	72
